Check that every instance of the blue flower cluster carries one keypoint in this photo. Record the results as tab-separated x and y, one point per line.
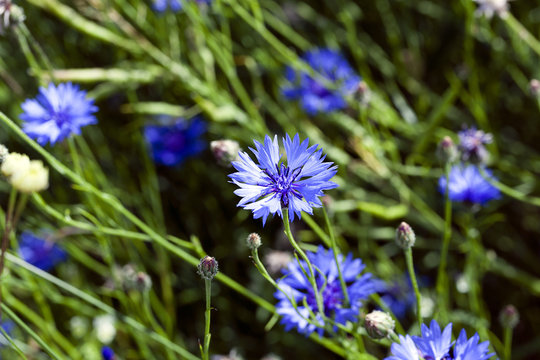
173	5
466	184
437	345
40	253
172	143
297	286
315	97
57	112
268	186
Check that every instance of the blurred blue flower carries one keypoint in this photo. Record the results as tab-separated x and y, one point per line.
40	253
314	96
466	184
471	144
398	296
107	353
435	345
174	5
173	142
297	286
268	186
57	112
8	327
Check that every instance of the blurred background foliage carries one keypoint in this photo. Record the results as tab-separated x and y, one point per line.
431	67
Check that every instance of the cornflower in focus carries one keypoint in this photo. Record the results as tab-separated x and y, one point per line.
488	8
174	140
57	112
471	145
270	185
297	286
437	345
174	5
315	97
466	184
40	253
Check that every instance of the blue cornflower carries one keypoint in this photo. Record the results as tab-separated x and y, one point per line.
57	112
297	286
471	144
436	345
107	353
314	96
268	186
466	184
40	253
174	5
172	143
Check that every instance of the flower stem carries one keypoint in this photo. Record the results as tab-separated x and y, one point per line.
208	290
507	342
335	251
409	260
296	247
442	281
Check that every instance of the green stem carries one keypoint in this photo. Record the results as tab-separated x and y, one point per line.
442	281
522	32
335	251
410	267
208	290
507	342
294	244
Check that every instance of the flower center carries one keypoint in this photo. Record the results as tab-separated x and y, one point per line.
331	295
60	117
282	184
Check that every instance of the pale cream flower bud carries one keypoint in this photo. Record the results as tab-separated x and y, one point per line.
4	152
15	162
34	178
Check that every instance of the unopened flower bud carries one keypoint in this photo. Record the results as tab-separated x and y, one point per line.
208	267
143	282
405	236
534	87
253	241
225	151
14	162
35	178
509	316
447	150
3	153
379	324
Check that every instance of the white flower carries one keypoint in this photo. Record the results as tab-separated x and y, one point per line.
104	328
488	8
15	162
34	178
4	152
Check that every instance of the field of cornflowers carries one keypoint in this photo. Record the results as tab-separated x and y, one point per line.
245	179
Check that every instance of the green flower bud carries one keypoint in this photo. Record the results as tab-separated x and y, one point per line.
379	324
447	151
405	236
208	267
253	241
509	316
